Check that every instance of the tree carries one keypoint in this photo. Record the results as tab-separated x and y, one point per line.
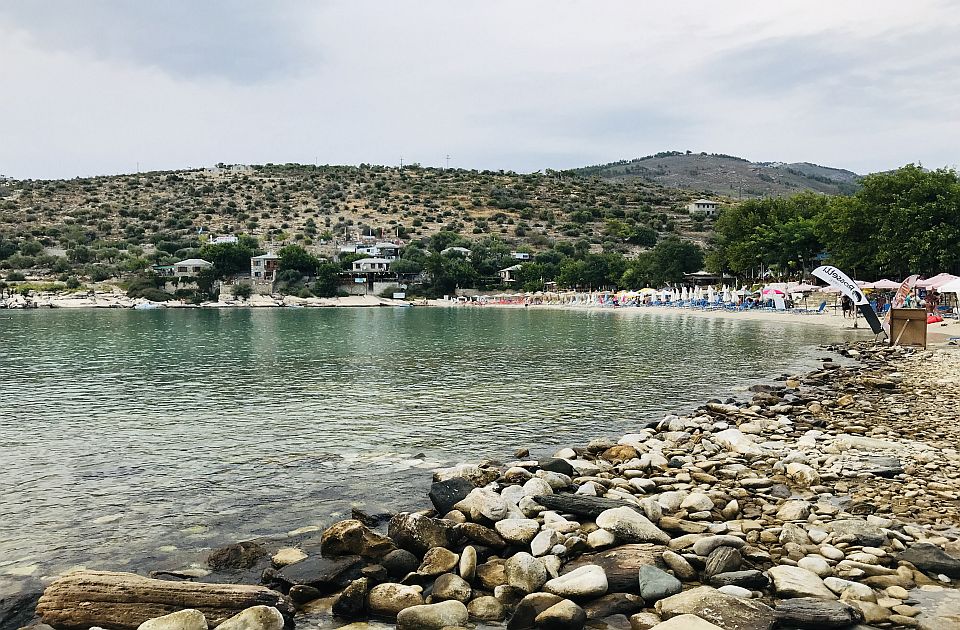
327	279
242	291
296	258
230	258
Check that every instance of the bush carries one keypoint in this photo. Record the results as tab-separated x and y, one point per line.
155	295
16	276
242	291
73	283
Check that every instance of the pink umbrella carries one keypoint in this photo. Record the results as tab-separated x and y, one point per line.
937	281
885	284
772	292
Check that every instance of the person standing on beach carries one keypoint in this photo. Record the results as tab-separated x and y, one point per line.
845	305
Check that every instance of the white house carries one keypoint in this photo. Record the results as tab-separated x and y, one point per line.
190	267
375	265
383	249
703	206
462	251
520	255
264	267
510	273
219	240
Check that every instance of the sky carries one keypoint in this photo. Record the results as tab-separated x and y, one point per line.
110	86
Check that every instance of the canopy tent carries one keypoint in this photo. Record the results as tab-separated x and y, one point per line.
951	287
937	281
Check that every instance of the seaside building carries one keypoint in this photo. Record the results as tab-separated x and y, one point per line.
220	240
462	251
703	207
264	268
510	274
381	249
371	265
190	267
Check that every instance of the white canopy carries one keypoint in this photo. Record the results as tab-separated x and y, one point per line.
951	287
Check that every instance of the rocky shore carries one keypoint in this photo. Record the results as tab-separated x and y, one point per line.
826	500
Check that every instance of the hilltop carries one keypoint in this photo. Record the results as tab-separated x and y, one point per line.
112	218
718	174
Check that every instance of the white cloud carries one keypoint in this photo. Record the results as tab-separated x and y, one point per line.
499	84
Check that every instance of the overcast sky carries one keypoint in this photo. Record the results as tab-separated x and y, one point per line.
96	86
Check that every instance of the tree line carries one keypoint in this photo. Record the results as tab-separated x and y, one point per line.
898	223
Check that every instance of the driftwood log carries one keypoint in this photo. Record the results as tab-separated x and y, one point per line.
121	601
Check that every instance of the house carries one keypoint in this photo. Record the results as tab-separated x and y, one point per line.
371	265
382	249
520	255
164	271
703	206
264	267
220	240
510	274
460	251
190	267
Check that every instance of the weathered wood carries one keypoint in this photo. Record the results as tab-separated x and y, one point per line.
809	612
122	601
581	504
622	564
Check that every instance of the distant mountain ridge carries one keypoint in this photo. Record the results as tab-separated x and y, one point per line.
728	175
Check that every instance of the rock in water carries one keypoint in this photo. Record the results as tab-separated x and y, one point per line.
433	616
789	581
242	555
445	494
322	573
417	533
809	612
188	619
353	538
584	582
553	464
656	584
932	559
629	526
718	608
352	601
564	615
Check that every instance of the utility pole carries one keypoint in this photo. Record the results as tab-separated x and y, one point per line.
401	162
448	161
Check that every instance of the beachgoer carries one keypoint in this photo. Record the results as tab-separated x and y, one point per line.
846	305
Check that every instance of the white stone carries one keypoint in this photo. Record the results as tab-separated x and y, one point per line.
544	542
600	538
188	619
433	616
583	582
816	564
697	502
629	526
791	581
255	618
518	531
736	591
734	440
287	555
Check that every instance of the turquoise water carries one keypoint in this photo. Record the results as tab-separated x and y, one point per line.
123	431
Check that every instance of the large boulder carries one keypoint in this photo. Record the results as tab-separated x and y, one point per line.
388	599
417	532
445	494
483	504
726	611
629	526
564	615
518	531
353	538
790	581
656	584
324	574
582	583
255	618
525	572
932	559
433	616
188	619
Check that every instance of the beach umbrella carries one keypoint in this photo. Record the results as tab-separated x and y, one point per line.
886	284
771	292
710	294
950	287
803	288
937	281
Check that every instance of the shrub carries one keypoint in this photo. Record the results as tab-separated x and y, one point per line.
242	291
16	276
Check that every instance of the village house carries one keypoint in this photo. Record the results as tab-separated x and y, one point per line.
462	251
264	268
382	249
220	240
371	265
510	274
520	255
190	268
703	207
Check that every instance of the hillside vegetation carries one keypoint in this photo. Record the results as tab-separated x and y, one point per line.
717	174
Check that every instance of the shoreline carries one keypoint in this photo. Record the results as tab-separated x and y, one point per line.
937	334
827	429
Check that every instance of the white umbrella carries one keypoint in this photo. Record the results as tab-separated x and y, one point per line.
710	294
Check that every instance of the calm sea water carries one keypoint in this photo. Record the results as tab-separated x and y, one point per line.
123	432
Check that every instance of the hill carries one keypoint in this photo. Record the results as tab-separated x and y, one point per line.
718	174
119	222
